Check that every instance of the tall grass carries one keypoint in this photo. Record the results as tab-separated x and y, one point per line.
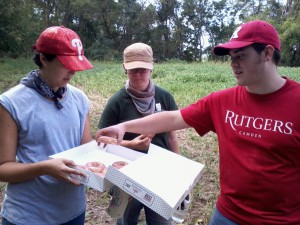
186	81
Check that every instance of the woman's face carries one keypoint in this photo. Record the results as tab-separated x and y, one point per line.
55	74
139	78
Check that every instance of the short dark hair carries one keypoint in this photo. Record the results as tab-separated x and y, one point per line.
260	47
37	60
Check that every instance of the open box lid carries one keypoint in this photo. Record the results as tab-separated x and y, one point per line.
91	152
160	180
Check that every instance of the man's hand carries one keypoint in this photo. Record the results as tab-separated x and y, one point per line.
116	132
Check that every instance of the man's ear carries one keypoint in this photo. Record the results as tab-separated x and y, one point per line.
268	52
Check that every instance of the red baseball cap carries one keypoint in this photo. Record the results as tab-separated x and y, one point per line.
66	45
256	31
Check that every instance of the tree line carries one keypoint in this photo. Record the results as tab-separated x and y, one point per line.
176	29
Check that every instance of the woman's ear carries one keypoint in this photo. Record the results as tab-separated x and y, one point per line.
43	60
124	69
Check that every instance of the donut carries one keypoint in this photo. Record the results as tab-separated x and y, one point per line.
95	167
119	164
94	164
107	140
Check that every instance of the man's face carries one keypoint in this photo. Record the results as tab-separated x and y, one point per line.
248	66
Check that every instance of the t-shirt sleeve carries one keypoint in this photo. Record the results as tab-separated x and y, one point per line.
198	116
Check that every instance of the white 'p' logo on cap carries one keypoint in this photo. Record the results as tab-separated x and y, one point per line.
76	43
235	33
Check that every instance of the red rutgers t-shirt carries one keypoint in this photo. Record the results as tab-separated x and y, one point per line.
259	144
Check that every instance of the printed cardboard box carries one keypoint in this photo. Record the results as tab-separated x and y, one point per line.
160	179
91	152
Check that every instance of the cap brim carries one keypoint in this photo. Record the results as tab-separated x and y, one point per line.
138	64
223	49
75	63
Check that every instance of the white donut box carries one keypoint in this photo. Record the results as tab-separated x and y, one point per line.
160	179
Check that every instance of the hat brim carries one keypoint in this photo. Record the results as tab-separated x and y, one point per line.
138	64
75	62
223	49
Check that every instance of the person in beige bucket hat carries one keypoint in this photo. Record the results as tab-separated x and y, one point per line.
139	98
138	55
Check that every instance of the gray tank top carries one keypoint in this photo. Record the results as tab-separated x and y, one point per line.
44	130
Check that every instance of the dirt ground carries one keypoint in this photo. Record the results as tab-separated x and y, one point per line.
203	150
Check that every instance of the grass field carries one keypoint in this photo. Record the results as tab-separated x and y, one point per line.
187	82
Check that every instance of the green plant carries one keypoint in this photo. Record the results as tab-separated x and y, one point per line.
187	82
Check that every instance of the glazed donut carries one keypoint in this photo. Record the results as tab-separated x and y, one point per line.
95	167
119	164
107	140
94	164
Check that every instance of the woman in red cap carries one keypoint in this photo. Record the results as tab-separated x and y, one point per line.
41	116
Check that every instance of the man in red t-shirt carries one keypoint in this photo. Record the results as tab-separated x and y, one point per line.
258	128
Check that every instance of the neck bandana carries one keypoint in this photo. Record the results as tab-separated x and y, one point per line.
143	100
34	81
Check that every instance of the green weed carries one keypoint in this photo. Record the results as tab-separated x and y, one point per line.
186	81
